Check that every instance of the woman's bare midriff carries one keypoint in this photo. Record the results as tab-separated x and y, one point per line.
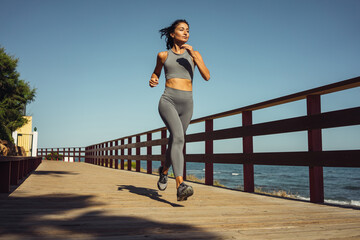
179	83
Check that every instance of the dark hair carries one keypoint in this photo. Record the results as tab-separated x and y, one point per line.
166	32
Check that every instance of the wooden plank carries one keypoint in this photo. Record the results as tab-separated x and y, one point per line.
120	204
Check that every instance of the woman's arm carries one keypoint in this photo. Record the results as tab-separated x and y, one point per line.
204	71
154	80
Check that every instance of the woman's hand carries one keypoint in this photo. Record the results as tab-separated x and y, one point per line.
189	49
153	82
198	60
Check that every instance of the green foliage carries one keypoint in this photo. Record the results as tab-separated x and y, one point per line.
54	156
133	164
14	95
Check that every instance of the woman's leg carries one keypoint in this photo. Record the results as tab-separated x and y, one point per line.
171	118
186	110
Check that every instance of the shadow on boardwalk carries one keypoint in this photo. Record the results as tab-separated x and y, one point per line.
64	217
147	192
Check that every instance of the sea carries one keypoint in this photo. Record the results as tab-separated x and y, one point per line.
341	185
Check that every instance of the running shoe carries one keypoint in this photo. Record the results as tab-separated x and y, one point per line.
184	191
163	179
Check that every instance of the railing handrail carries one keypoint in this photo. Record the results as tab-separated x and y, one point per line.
313	122
330	88
62	148
15	158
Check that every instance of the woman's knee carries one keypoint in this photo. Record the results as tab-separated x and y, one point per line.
178	139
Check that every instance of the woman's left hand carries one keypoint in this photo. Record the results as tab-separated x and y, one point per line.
189	49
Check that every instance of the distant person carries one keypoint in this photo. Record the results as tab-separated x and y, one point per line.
176	104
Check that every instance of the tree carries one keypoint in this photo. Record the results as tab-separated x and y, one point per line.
54	156
14	95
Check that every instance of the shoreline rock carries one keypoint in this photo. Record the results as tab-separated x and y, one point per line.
9	149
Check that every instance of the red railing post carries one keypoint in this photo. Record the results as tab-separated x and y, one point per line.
163	147
122	153
106	154
74	154
209	150
248	168
111	154
149	153
116	153
86	152
184	169
98	154
138	153
315	145
129	153
92	155
90	159
103	155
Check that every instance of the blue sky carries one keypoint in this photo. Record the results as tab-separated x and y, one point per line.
91	61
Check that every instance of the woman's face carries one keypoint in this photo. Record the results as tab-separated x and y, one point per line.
181	33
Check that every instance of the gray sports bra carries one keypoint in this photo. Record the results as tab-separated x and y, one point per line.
179	66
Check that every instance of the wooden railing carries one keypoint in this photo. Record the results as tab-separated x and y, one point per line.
111	152
14	169
69	154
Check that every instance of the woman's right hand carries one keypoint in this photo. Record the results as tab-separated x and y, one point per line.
153	82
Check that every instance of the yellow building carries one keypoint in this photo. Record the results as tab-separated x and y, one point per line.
24	136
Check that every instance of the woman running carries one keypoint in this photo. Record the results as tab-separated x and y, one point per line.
176	104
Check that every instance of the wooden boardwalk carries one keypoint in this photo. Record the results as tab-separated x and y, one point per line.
82	201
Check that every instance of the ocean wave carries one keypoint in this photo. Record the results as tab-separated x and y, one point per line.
352	188
355	203
337	202
235	174
347	203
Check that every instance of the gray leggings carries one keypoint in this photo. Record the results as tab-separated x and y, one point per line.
176	109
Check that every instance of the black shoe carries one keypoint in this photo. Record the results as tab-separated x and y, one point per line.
184	191
163	179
